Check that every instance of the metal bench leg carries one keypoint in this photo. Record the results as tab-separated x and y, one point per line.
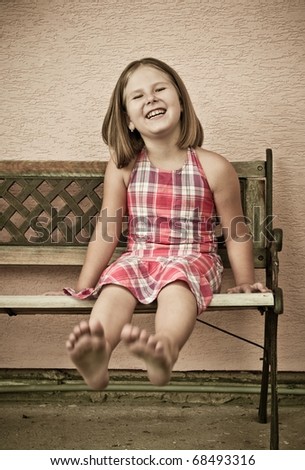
274	431
270	363
262	410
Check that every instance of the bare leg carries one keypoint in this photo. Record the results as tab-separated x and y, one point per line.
91	342
175	321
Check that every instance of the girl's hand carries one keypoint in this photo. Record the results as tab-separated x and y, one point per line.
248	288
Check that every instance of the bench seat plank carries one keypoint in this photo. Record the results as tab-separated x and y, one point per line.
55	303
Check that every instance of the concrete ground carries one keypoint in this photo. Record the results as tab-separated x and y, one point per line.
92	420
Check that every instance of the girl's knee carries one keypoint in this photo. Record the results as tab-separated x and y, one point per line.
116	293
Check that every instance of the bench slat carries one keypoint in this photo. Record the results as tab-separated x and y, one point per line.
59	168
75	255
46	256
58	302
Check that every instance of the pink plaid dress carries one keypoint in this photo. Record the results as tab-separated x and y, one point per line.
171	220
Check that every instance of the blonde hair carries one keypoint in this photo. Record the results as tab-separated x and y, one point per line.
124	144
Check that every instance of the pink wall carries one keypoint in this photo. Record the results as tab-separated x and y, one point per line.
243	63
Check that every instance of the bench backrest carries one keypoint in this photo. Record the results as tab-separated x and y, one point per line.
49	209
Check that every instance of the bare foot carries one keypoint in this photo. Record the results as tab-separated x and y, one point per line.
156	351
90	352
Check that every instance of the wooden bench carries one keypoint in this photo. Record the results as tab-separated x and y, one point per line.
48	211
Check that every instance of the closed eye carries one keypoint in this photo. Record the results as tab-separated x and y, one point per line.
136	97
160	89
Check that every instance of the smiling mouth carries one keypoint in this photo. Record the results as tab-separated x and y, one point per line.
155	112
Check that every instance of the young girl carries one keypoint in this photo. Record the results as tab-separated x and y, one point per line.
171	190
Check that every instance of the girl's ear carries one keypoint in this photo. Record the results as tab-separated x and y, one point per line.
129	123
131	126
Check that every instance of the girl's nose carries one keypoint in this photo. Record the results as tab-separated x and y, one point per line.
151	98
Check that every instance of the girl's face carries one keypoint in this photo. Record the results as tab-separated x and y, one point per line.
152	103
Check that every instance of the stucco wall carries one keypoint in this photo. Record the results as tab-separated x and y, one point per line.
243	63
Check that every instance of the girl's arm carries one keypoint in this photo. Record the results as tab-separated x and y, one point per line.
225	186
235	231
108	228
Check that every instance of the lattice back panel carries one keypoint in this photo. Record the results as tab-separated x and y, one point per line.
49	211
56	203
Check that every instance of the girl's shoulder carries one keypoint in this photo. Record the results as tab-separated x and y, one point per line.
210	158
216	167
123	174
